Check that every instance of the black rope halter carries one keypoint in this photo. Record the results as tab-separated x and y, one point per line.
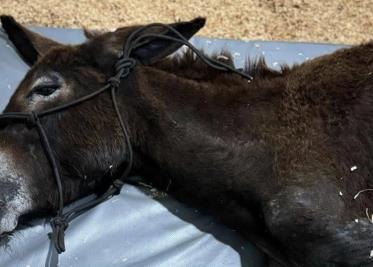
123	67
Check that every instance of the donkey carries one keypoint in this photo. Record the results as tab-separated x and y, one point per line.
282	159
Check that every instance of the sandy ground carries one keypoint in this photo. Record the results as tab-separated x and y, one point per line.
335	21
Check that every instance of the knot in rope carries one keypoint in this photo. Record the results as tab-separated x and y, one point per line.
124	63
59	225
122	69
114	81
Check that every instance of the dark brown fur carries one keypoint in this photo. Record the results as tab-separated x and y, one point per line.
271	155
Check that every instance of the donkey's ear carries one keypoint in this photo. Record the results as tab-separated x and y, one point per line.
155	49
30	45
91	34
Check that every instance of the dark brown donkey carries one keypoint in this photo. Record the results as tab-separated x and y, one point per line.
285	154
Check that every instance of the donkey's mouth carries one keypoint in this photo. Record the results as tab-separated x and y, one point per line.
22	222
8	223
10	220
15	200
5	239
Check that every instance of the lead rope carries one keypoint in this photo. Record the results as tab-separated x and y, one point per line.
123	67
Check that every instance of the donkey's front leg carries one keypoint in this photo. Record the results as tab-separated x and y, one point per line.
313	223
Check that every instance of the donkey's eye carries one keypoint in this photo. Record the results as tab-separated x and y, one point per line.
44	89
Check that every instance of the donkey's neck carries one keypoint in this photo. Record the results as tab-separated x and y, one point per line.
203	131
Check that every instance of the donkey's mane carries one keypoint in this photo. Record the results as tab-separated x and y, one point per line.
188	65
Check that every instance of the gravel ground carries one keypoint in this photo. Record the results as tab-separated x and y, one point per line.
334	21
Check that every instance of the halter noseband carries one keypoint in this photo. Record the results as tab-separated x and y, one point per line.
123	67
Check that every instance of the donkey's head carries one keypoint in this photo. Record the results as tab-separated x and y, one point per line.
86	139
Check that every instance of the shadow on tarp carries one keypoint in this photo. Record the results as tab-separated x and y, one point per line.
249	255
